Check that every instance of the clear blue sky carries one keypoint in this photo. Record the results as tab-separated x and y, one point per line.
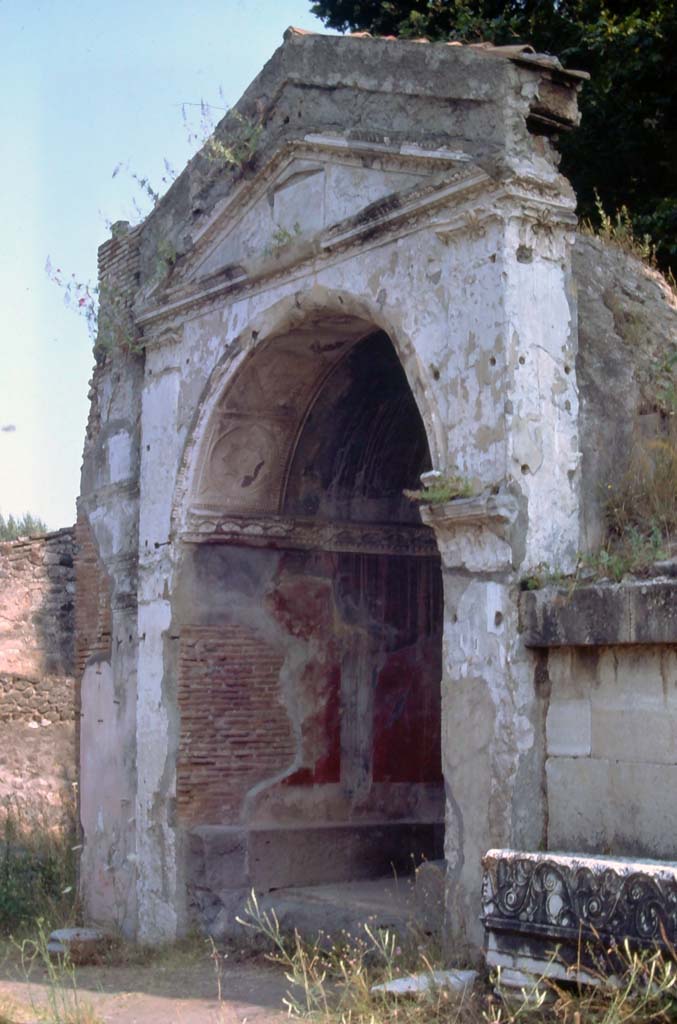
85	86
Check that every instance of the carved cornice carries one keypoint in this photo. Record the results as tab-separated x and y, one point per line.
564	897
495	512
282	532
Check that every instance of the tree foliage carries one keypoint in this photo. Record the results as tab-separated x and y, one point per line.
626	147
26	525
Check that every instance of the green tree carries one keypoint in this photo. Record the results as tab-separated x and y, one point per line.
22	526
626	147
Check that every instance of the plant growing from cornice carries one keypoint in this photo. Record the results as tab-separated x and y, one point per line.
166	257
442	490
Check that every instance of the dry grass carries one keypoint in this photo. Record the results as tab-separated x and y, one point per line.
618	231
335	985
641	506
37	868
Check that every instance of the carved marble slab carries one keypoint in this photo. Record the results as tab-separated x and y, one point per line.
541	909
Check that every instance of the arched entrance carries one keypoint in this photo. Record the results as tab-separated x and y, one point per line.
310	620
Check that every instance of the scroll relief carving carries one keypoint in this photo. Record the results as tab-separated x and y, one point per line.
284	532
562	896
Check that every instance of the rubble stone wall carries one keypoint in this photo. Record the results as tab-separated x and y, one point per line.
37	687
37	586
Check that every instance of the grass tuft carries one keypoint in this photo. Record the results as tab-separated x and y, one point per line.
448	488
37	868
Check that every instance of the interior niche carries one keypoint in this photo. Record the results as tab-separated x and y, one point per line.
309	673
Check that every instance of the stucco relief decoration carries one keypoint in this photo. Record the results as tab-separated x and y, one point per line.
276	384
243	465
563	899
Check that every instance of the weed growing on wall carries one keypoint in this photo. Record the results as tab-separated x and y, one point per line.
446	488
239	147
106	310
280	239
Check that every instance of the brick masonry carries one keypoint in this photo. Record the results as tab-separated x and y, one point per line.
234	730
92	608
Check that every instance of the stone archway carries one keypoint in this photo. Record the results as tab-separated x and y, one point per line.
309	610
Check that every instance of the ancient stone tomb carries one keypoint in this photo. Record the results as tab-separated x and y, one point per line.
294	679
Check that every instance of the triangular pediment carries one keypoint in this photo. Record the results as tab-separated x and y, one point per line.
307	194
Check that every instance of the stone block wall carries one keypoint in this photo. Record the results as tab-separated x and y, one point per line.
37	688
609	687
611	734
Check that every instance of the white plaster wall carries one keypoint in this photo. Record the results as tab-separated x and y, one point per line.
462	311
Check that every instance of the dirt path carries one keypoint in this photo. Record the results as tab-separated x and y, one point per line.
160	993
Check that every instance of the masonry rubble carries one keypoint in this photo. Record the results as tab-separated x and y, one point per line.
287	675
37	675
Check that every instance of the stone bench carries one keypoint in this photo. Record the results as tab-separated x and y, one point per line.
554	914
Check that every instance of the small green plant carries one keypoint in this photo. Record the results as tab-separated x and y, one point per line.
618	230
446	488
545	575
632	552
166	257
281	238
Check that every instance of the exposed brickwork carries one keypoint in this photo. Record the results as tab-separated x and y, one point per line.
119	266
234	730
93	594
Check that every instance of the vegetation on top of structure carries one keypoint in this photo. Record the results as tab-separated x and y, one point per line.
105	309
624	146
239	147
26	525
443	489
619	231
